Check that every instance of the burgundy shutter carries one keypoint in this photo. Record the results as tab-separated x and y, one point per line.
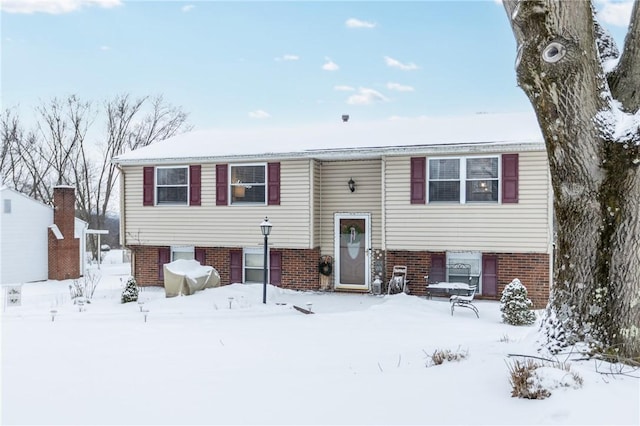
221	184
147	186
438	270
275	267
418	180
195	183
273	184
235	266
200	255
489	275
509	178
164	256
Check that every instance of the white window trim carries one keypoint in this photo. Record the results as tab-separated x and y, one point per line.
182	249
467	257
156	186
230	186
463	179
255	250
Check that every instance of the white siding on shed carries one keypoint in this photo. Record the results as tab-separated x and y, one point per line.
24	239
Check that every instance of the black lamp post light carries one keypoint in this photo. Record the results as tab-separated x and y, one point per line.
265	228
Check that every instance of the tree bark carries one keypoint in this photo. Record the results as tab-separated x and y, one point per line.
593	159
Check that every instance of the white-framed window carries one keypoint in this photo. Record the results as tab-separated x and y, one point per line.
172	185
463	180
248	184
253	265
6	205
182	252
481	179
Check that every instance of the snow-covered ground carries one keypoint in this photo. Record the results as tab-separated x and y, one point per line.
222	357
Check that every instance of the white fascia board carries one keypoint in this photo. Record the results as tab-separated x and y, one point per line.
349	153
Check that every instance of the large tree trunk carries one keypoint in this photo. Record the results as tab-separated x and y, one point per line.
593	157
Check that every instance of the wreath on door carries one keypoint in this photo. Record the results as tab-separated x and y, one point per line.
325	267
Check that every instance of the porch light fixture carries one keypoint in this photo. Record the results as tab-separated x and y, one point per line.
265	228
352	185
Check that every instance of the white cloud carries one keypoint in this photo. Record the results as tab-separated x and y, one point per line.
343	88
394	63
330	65
616	13
105	48
187	8
357	23
54	7
287	57
259	114
366	97
399	87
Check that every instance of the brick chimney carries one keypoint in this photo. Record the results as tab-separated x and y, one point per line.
64	248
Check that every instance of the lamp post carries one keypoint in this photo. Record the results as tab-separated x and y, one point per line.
265	228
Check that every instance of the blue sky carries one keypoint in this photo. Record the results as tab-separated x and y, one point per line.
239	64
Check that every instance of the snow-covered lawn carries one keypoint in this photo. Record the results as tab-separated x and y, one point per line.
210	359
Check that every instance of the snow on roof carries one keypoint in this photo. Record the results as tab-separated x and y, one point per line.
341	138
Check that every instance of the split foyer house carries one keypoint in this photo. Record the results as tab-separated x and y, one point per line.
423	193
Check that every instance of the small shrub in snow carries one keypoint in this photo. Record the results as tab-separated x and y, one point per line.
533	380
439	356
523	385
504	339
85	287
515	305
130	293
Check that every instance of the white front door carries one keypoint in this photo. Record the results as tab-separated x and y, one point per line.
352	250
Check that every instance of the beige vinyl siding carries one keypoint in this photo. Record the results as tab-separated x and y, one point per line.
337	198
222	226
521	227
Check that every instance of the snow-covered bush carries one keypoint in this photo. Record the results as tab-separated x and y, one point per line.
515	305
130	293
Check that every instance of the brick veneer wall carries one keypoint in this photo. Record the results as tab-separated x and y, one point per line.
299	267
532	269
64	254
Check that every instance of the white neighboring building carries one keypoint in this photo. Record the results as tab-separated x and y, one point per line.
24	227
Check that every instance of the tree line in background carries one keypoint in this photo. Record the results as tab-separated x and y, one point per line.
72	142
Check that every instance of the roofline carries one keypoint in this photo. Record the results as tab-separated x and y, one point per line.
362	153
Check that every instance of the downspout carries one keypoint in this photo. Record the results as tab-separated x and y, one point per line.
552	226
312	206
122	238
383	206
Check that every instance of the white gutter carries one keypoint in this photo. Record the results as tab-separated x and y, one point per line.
347	153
